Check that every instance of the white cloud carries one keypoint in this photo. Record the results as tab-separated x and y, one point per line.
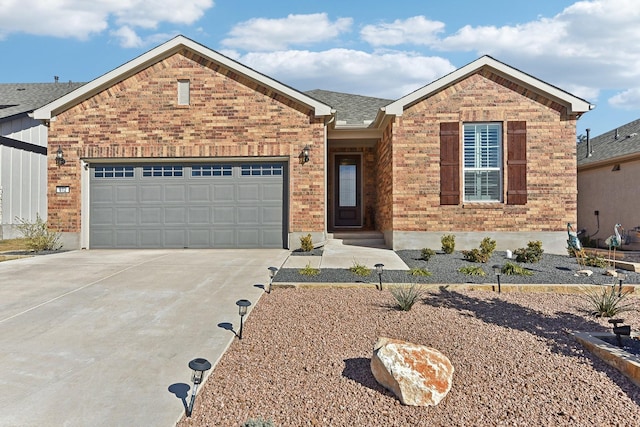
388	74
276	34
81	19
627	100
416	30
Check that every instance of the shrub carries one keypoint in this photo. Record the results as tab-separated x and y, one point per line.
420	272
306	243
448	243
258	422
511	269
607	302
472	270
487	246
532	253
360	269
37	236
595	261
427	253
406	296
309	271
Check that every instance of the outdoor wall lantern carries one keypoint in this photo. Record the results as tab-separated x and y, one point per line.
304	156
272	274
242	310
497	270
60	157
379	268
621	278
199	367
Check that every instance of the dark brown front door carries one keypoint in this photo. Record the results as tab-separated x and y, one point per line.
348	197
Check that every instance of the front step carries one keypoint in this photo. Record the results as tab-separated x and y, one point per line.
369	239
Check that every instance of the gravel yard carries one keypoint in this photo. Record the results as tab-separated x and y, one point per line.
305	354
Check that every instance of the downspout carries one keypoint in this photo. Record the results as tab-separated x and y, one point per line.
589	151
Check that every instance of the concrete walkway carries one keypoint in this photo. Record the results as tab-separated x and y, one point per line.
103	338
336	254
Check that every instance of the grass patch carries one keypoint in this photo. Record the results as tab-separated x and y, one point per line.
406	296
420	272
360	269
472	270
309	271
13	245
511	269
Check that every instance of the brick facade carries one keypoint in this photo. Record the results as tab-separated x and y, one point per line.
228	117
482	97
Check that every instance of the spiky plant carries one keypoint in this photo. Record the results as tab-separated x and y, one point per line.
607	301
406	295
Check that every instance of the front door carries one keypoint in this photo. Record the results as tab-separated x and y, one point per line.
348	194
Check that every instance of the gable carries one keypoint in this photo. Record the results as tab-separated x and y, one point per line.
202	55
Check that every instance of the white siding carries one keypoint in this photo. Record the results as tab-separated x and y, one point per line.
23	175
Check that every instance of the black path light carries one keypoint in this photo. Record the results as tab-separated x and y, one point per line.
497	270
621	278
272	274
242	304
379	268
199	367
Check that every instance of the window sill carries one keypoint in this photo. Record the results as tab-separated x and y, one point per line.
487	205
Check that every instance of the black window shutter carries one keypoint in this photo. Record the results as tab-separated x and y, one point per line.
517	163
449	163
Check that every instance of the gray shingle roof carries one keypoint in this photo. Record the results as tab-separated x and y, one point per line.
355	110
19	98
606	147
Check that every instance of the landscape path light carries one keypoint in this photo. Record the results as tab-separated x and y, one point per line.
199	367
379	268
497	270
621	278
242	304
272	274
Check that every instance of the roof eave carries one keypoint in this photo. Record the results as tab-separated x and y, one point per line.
574	104
167	49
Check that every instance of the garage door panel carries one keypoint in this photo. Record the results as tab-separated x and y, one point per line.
126	216
175	216
175	193
151	238
248	215
203	206
126	238
150	193
224	215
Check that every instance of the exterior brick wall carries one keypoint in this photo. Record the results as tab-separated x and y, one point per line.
482	97
384	214
228	116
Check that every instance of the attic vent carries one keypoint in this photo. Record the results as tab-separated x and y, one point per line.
183	92
633	134
616	168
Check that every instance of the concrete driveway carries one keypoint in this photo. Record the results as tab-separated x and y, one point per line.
103	338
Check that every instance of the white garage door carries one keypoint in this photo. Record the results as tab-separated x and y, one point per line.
231	205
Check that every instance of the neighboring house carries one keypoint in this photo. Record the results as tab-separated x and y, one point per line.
184	147
608	177
23	152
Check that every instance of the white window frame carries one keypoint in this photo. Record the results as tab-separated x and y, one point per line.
482	146
184	88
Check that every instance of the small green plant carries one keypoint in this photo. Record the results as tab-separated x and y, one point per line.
595	261
258	422
306	243
472	270
427	253
511	269
420	272
448	243
406	296
359	269
309	271
487	246
607	301
532	253
37	236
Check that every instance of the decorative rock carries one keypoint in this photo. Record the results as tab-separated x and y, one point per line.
587	273
418	375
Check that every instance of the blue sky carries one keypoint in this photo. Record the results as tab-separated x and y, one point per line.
387	49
